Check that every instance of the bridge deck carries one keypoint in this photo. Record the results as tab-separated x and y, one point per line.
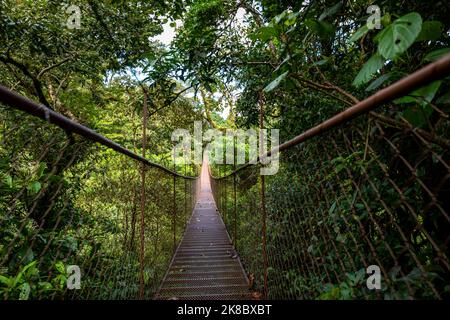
205	264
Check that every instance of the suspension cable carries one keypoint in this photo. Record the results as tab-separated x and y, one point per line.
22	103
426	75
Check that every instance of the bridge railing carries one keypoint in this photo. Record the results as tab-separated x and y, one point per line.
361	195
72	200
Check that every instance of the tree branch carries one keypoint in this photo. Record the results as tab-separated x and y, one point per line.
168	103
43	71
36	83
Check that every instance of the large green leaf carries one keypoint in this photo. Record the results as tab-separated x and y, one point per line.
436	54
359	33
422	96
275	83
331	11
60	267
399	36
375	63
24	291
379	81
417	115
264	33
41	168
8	181
431	30
34	187
445	99
6	280
323	29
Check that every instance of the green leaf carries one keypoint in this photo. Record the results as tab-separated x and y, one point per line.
29	269
28	256
359	33
275	83
41	169
288	58
379	81
45	286
417	115
399	36
277	19
321	62
291	19
332	208
431	30
386	20
422	96
6	280
445	99
34	187
264	34
436	54
24	291
323	29
8	181
331	11
60	267
375	63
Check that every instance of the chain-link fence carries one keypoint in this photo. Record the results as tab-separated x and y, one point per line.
354	201
67	201
371	193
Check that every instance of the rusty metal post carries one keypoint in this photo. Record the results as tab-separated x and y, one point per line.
192	194
225	195
219	196
142	222
174	215
263	196
234	193
185	198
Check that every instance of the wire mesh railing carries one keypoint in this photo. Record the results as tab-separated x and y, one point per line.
371	192
67	201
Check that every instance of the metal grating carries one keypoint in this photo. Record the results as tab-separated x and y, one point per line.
205	265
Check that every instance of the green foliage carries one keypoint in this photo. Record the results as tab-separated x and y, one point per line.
371	67
359	33
311	59
437	54
275	83
431	30
399	36
419	114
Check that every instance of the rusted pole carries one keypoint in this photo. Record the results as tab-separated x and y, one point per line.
186	217
174	220
142	224
191	195
225	196
219	196
234	193
263	196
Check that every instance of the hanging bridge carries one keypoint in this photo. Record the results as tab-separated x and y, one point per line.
138	230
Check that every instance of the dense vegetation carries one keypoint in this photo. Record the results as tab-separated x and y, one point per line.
64	200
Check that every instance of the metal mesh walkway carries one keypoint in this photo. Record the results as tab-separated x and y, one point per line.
205	264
